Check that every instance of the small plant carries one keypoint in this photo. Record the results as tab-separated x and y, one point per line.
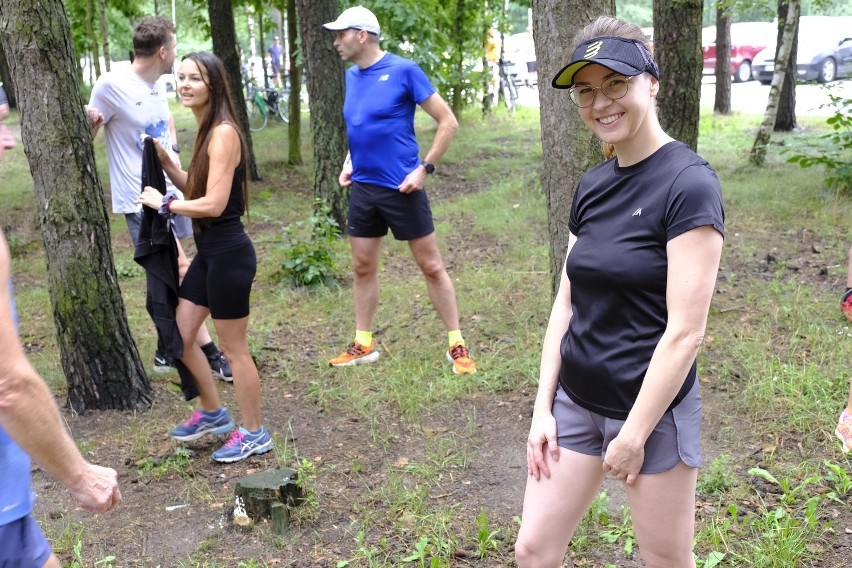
832	150
126	270
308	257
486	539
178	462
624	531
718	479
841	482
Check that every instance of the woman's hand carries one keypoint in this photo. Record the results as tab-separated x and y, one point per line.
151	197
624	460
542	438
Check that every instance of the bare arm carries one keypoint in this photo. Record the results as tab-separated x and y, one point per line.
29	415
96	119
224	153
693	259
438	109
543	427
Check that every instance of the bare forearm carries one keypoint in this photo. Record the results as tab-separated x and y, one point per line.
443	136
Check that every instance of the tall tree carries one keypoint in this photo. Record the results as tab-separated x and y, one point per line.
722	102
677	46
294	127
569	148
100	360
104	31
785	46
225	47
326	92
785	117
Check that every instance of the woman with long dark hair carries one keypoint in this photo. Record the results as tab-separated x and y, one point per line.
219	280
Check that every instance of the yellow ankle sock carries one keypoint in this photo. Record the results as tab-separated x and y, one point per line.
455	337
365	338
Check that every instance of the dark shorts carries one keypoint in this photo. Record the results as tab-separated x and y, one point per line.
676	438
373	209
221	282
22	544
182	226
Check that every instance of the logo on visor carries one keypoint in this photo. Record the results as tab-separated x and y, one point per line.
593	50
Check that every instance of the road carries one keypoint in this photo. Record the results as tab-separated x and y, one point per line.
748	98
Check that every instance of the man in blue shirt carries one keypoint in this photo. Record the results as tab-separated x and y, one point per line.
276	53
30	425
387	177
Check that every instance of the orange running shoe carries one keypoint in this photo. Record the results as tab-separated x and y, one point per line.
844	431
357	354
461	360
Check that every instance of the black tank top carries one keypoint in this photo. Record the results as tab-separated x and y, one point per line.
225	233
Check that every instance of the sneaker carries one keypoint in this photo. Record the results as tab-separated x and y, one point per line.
846	304
163	364
242	444
201	423
844	431
356	355
461	360
220	367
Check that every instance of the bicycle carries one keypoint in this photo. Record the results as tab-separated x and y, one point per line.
508	88
261	103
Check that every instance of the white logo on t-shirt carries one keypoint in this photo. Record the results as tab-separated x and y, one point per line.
637	213
384	77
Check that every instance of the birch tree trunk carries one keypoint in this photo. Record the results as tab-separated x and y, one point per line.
761	141
722	102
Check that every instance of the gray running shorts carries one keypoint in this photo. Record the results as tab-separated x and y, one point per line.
677	437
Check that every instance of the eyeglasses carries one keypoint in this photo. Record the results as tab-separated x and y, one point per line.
613	88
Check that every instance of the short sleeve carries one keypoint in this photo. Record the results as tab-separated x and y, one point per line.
421	87
101	98
695	200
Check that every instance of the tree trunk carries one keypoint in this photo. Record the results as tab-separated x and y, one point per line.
98	355
785	119
294	130
677	46
91	37
225	47
102	21
325	91
569	149
722	103
459	55
761	141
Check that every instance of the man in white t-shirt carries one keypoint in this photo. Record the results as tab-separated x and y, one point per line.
130	104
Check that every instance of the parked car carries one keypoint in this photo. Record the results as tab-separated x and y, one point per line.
824	51
747	40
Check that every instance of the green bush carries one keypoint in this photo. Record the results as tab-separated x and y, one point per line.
833	150
309	257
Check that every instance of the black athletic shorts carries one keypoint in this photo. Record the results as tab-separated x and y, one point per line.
221	282
373	209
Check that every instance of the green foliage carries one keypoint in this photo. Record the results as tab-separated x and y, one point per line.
718	479
179	462
128	270
832	150
615	533
308	256
486	539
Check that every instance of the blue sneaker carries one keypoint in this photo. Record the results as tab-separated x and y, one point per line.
202	423
242	444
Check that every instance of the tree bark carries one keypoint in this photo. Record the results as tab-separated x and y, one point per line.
722	102
326	90
294	127
569	149
785	119
91	37
677	46
225	47
761	141
100	360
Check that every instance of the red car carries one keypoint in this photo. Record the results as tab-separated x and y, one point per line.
747	40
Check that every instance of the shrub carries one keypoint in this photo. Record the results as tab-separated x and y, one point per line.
309	258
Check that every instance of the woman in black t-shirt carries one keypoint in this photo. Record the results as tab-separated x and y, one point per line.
618	392
219	279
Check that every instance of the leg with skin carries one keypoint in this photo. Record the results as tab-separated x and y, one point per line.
52	562
438	282
365	287
233	339
554	507
662	506
203	336
190	317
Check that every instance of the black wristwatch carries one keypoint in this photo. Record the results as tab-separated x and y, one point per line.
429	167
176	148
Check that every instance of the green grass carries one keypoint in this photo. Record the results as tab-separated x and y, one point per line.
775	362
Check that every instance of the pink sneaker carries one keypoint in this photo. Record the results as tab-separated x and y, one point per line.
844	431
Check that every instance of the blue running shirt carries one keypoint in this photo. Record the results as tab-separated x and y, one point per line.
379	114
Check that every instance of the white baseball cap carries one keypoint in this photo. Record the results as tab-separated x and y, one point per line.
358	18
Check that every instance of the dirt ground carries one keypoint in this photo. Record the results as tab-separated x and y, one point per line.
183	520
